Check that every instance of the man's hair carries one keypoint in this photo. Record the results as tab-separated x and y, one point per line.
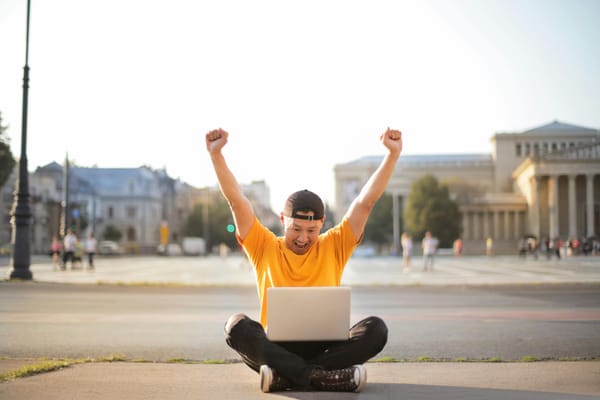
304	201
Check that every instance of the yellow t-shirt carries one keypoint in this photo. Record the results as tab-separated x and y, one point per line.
276	265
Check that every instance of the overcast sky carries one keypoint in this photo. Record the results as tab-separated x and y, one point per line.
300	86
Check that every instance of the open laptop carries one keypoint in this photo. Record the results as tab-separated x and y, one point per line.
308	313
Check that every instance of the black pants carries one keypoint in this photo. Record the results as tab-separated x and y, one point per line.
295	360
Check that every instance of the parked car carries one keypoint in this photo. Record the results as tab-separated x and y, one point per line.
108	247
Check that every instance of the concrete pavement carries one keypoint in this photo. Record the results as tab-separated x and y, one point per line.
547	380
448	380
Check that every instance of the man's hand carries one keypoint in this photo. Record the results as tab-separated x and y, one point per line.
215	140
392	139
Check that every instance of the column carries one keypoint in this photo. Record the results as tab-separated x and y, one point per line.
476	225
466	235
517	225
486	225
496	224
507	225
589	204
535	206
572	208
553	200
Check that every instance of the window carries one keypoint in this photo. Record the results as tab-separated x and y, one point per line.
131	211
518	150
111	213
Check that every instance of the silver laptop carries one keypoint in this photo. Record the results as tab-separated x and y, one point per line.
308	313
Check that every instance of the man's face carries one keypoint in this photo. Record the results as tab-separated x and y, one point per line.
301	234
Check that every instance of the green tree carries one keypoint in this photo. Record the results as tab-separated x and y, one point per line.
112	233
430	208
215	225
7	160
379	228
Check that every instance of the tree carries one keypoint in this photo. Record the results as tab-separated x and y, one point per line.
112	233
430	208
380	225
217	228
7	160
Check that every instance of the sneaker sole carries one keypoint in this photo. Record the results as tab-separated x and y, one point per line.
266	377
361	379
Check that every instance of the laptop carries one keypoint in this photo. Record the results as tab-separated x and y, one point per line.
317	313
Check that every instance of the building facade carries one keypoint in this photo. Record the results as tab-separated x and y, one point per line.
134	201
543	182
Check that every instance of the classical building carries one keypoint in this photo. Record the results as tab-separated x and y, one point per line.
543	182
134	201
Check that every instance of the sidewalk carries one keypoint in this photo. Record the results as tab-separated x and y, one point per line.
235	271
450	381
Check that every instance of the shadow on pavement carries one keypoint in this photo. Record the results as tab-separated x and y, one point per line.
395	391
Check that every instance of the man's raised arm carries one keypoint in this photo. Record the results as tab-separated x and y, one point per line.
241	208
359	210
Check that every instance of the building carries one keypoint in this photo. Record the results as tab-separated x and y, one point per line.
134	201
543	182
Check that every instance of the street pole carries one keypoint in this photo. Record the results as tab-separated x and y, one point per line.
21	212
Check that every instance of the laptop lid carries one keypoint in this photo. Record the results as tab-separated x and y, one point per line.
308	313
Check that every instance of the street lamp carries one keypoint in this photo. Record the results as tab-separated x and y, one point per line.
21	213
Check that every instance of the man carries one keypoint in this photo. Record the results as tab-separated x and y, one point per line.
303	257
429	245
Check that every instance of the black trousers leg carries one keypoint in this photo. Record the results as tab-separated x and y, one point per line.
248	338
367	338
295	360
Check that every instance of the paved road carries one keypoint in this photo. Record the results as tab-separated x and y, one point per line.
160	323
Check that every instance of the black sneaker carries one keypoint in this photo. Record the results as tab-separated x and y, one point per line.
271	381
352	379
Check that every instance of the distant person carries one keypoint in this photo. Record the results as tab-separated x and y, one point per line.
407	245
489	247
69	243
303	257
457	247
90	249
55	250
429	245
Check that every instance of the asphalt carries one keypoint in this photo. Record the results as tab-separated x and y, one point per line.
427	380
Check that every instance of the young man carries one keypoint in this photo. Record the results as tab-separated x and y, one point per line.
303	257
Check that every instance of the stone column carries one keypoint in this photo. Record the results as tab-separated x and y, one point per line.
589	204
486	225
553	200
466	233
572	208
534	218
507	225
496	221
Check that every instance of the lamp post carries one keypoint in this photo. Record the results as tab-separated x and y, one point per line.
21	212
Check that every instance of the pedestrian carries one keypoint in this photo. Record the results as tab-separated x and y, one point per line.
489	247
69	243
90	249
55	250
457	247
303	256
407	245
429	245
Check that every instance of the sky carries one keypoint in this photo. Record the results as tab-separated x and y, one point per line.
299	86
